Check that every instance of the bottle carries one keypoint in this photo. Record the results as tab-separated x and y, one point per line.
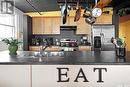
57	42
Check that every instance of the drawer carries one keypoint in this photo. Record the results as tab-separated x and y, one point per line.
85	48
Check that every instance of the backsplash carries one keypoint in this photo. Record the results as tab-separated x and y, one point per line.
63	34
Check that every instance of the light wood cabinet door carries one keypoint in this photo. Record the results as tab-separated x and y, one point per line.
67	21
38	25
47	25
71	21
56	23
40	76
47	76
83	27
104	19
15	76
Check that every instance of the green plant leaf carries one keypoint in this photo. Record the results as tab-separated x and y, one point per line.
11	41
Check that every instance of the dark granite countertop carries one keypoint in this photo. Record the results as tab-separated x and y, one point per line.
69	58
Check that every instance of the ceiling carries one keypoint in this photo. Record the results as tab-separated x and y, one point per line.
40	5
52	5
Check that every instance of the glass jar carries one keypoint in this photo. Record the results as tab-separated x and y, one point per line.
120	52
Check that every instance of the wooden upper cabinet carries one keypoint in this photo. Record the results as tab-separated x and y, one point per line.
56	23
37	25
51	25
104	19
71	21
83	27
47	25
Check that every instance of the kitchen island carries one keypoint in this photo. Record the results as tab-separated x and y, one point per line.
69	58
67	69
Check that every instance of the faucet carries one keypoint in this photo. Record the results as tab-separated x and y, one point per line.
42	49
45	45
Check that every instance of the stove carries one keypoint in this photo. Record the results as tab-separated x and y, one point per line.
68	44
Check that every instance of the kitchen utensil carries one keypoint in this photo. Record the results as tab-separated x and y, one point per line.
62	10
88	16
96	11
87	12
90	20
65	16
103	3
65	12
78	12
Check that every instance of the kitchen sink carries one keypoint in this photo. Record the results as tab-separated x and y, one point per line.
53	54
28	55
48	54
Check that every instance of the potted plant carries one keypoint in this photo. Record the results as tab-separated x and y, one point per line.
13	45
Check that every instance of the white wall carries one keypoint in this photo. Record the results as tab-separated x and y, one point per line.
19	26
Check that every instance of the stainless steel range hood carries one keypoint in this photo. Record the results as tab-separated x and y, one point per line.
68	27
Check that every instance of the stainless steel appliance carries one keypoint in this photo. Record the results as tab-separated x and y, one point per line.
105	32
67	44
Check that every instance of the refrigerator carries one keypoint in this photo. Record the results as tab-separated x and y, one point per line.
105	32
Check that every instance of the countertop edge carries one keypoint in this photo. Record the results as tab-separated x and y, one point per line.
42	63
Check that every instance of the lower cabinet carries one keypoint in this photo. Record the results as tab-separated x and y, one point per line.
57	48
64	75
80	75
37	48
47	76
85	48
15	76
40	78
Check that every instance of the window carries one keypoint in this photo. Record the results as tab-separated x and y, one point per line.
6	26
